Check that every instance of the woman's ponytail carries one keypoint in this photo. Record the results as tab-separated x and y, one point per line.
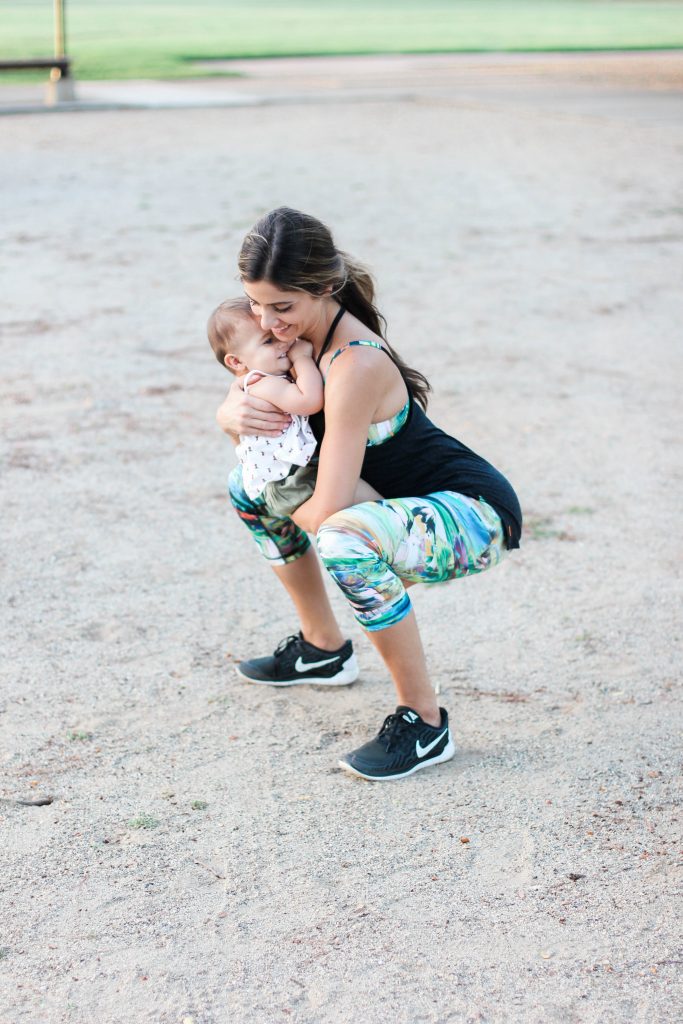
358	296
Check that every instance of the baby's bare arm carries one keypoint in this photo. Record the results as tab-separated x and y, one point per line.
241	413
303	396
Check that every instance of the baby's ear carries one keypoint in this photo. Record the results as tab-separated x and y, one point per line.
233	363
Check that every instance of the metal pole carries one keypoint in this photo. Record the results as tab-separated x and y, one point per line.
60	88
60	32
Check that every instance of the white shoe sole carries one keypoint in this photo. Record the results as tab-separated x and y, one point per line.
446	755
348	675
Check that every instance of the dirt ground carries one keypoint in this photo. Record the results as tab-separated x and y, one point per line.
202	859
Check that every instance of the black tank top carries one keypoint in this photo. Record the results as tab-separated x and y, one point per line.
421	459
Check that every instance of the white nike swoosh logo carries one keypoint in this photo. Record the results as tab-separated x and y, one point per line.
306	666
421	751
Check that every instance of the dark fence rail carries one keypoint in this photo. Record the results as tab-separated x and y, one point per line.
32	63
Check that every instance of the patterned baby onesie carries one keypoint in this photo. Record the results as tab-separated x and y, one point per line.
265	459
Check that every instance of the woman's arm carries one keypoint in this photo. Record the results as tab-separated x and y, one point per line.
242	413
352	395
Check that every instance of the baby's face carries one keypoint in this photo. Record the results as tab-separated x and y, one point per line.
258	349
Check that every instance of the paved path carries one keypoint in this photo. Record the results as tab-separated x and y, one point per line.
569	81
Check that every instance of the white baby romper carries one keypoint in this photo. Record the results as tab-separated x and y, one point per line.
265	459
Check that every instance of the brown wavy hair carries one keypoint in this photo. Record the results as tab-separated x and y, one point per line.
296	252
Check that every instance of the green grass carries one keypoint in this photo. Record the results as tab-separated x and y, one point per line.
79	734
144	821
160	38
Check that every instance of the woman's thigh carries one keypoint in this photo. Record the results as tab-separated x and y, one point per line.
376	549
423	540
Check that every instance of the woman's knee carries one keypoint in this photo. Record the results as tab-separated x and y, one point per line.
237	494
354	559
236	490
344	536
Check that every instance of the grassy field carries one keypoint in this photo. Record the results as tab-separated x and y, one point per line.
160	38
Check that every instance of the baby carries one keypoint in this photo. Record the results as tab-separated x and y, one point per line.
278	470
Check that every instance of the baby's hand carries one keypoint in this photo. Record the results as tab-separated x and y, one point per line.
300	350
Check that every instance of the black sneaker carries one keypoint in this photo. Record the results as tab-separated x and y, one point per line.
403	745
296	661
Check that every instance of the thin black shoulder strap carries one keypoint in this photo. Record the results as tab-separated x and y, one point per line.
330	335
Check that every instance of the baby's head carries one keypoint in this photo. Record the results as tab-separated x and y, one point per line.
240	343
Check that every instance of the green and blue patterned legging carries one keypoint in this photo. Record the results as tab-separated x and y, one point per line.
371	549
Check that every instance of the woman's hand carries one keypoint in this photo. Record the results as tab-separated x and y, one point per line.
242	413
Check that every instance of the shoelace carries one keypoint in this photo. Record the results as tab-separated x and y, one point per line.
285	644
394	726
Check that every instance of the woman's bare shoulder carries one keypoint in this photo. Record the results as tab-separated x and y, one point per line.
362	383
347	350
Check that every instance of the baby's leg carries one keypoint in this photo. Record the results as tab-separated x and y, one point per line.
364	492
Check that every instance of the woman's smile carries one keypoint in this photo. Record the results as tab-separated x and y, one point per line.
286	314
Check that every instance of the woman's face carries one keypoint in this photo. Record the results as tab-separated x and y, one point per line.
288	315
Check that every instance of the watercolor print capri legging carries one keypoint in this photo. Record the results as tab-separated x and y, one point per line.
372	548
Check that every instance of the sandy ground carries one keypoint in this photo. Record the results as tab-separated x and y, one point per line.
203	859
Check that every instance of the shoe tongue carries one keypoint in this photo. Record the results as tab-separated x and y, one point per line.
407	714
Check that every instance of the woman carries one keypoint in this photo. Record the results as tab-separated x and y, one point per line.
445	512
